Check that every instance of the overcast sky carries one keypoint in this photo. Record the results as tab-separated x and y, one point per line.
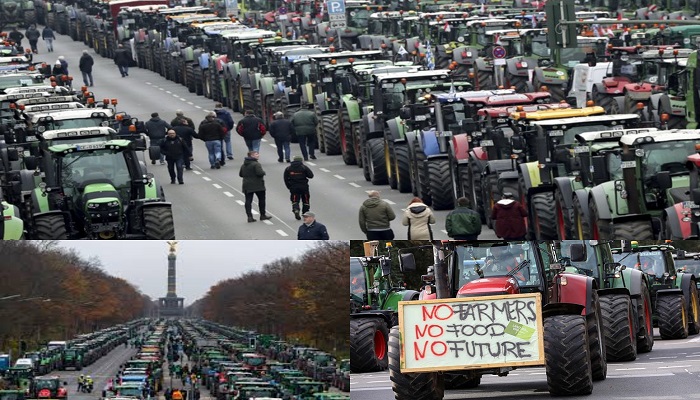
200	263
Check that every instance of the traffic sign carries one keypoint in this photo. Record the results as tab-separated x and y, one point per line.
336	14
499	52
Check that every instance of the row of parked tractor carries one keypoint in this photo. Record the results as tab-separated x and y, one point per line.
32	375
612	297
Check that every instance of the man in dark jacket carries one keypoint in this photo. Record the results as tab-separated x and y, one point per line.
304	122
32	34
212	133
375	218
184	131
252	129
179	115
16	36
463	223
281	129
312	229
122	57
296	178
176	151
49	37
253	185
156	129
509	215
227	122
85	65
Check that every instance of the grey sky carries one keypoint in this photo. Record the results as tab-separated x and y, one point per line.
200	263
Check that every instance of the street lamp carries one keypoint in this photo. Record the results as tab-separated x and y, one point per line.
10	297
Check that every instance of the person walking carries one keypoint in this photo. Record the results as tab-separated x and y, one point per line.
375	218
509	216
156	130
296	178
16	36
212	133
463	223
49	37
418	218
122	57
183	130
252	129
227	121
281	129
64	64
32	34
85	65
312	229
304	122
176	152
253	185
180	115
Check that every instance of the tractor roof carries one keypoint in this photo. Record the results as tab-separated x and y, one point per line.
346	54
77	133
513	98
37	88
610	135
450	97
613	119
18	96
668	53
53	107
558	114
506	111
242	34
47	100
661	136
438	74
75	114
66	148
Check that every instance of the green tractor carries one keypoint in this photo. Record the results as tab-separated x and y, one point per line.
98	190
12	227
12	395
20	377
674	293
19	13
374	302
73	358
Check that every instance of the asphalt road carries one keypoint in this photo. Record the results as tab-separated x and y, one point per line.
670	371
210	203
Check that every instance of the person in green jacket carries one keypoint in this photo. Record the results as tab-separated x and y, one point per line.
253	185
375	218
304	122
463	223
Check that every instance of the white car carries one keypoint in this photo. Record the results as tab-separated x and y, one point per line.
24	362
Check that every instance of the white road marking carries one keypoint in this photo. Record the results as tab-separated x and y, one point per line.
254	212
325	169
281	232
241	202
148	83
160	88
445	232
229	194
168	91
198	107
389	201
190	103
339	177
675	366
639	375
216	185
659	358
353	184
183	99
206	178
627	369
310	163
197	172
268	222
205	110
538	373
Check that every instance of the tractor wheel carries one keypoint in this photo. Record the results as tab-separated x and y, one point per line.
247	99
633	230
673	318
421	386
368	345
520	83
485	79
544	218
477	198
565	217
158	223
347	142
618	327
29	18
423	184
464	380
257	102
581	228
50	226
189	68
402	170
376	161
463	174
594	325
347	44
693	310
490	195
331	134
199	81
557	92
441	186
600	228
645	333
567	355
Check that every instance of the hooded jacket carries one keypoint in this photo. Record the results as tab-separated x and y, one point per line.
225	117
462	221
253	176
375	215
296	177
418	218
304	122
156	128
509	215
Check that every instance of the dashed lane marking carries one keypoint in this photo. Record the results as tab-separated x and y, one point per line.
627	369
268	222
190	103
281	232
160	88
148	83
325	169
389	201
675	366
659	358
206	178
310	163
216	185
168	91
241	202
198	107
339	177
183	99
229	194
353	184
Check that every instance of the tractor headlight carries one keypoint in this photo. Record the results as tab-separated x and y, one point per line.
113	204
93	205
639	153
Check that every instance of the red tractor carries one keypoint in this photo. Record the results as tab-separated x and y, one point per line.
48	387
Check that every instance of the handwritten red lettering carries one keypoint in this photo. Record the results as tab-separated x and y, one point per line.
435	312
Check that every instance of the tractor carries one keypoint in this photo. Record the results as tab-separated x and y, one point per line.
48	387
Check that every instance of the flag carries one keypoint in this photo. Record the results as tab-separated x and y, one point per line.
430	60
402	51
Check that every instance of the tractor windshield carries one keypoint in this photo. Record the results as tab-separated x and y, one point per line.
588	267
649	262
357	278
689	265
614	163
570	134
73	123
479	262
666	156
359	18
79	167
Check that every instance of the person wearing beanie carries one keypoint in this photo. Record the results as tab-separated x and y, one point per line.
296	178
281	129
375	218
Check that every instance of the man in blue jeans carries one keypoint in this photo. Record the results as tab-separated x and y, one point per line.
227	121
252	129
212	133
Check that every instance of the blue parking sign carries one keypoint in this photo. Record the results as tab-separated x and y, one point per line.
336	7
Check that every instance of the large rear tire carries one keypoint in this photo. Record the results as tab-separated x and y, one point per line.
565	217
618	327
645	333
673	318
633	230
519	82
52	227
567	355
368	345
581	227
347	142
693	310
402	171
544	218
441	184
376	162
421	386
158	223
594	325
331	134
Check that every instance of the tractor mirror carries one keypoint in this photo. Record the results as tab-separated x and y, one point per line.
600	169
31	162
663	178
577	252
695	195
407	262
385	263
405	113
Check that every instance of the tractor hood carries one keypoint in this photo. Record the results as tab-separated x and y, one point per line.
102	207
493	285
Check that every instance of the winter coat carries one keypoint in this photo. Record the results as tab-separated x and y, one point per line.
211	131
296	177
57	70
64	64
122	57
156	128
509	215
304	122
175	148
251	128
225	117
32	34
185	132
86	63
376	215
282	130
17	36
253	176
176	121
462	221
314	231
47	33
418	218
